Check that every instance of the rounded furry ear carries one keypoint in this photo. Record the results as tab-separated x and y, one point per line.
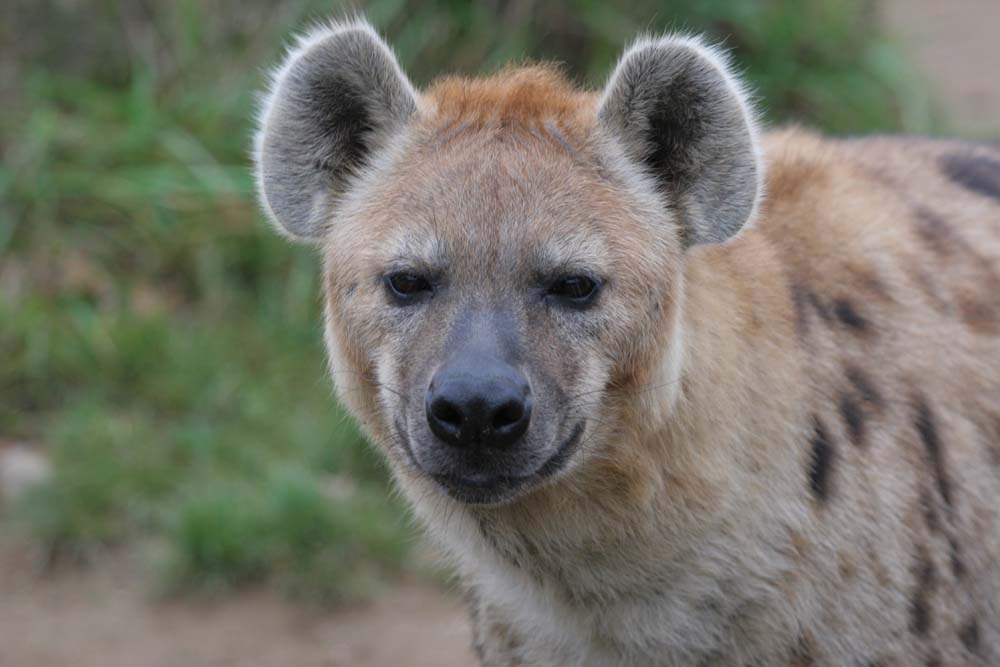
335	100
679	112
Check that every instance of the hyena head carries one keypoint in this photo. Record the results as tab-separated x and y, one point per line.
503	257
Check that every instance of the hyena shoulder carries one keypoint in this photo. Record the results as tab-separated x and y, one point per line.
888	252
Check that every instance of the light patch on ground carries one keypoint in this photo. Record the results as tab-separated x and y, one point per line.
104	617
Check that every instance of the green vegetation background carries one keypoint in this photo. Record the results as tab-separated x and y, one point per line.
164	346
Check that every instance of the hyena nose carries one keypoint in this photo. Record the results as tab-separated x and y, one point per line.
486	404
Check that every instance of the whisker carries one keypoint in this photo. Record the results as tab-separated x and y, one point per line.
367	379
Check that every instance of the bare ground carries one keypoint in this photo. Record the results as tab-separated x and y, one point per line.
105	617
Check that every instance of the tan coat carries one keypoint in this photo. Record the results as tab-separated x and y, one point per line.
792	438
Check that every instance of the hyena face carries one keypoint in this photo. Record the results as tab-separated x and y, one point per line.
503	257
489	285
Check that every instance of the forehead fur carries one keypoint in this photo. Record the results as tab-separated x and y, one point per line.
523	96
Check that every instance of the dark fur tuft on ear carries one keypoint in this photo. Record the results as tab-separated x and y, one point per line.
336	99
680	113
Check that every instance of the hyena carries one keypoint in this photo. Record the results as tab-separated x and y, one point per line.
668	390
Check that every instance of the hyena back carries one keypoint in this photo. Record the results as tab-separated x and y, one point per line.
662	406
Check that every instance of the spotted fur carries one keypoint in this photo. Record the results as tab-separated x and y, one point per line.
789	390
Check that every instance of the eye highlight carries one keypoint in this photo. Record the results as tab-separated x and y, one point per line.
578	291
406	286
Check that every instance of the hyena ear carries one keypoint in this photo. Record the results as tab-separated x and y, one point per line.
678	111
335	101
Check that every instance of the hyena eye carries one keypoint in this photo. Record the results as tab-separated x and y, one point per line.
575	290
405	286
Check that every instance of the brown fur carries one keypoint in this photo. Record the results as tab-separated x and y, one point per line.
814	313
818	485
525	96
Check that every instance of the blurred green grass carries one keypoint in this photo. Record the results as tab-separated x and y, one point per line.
164	346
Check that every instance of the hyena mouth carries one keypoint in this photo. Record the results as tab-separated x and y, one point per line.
485	488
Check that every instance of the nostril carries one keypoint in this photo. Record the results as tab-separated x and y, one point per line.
447	413
508	414
478	408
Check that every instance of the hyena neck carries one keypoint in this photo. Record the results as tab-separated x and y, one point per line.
684	510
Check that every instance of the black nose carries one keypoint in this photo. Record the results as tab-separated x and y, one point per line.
479	403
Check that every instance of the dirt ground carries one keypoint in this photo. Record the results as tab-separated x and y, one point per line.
105	617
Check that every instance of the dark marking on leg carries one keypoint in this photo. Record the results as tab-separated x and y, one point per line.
920	616
929	511
936	234
820	462
934	661
854	419
969	635
927	429
858	404
863	386
800	301
821	308
804	300
976	173
955	555
850	317
925	580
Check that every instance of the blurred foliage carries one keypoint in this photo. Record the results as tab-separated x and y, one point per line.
164	346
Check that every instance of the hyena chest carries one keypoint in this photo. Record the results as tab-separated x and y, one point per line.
614	607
